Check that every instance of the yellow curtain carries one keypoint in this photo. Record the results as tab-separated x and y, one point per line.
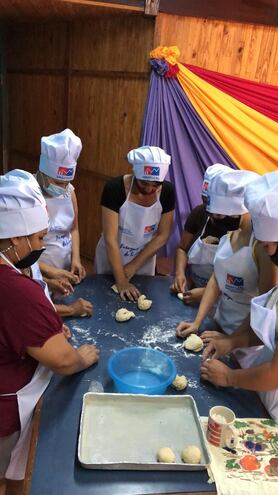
246	135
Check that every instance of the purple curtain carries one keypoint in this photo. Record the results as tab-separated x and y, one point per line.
171	122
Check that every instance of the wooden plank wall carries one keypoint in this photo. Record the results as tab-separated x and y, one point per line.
91	76
244	50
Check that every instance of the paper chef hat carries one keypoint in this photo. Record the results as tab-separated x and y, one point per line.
22	205
210	172
226	192
59	155
149	163
261	199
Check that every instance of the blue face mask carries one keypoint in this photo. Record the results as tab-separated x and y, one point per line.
54	190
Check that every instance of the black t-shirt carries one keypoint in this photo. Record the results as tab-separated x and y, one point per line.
114	196
196	221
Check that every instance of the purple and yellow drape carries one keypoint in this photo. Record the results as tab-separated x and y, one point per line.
202	117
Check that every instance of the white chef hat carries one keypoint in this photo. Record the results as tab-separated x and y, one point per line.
59	155
149	163
226	192
22	205
261	199
210	172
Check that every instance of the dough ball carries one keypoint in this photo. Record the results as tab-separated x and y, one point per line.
143	303
124	315
180	382
115	289
193	343
191	455
165	454
180	295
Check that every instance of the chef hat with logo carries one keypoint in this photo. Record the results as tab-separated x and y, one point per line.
226	192
59	155
261	199
149	163
22	205
210	172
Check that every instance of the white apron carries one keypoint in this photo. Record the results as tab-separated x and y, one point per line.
27	398
200	260
58	239
237	278
264	324
137	226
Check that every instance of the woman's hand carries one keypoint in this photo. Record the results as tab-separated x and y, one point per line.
185	328
81	307
179	284
62	286
216	372
66	331
220	346
78	269
128	291
193	296
210	335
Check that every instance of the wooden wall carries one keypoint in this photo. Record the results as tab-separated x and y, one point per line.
244	50
91	76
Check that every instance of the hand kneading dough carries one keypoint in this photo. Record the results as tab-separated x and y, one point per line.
124	315
166	455
180	296
191	455
144	303
193	343
180	382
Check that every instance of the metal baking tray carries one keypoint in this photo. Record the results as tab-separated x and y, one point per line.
125	431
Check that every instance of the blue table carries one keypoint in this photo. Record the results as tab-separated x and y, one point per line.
56	470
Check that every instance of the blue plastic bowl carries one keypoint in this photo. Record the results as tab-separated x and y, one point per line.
141	370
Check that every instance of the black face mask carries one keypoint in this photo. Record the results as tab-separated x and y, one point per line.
30	259
227	223
274	257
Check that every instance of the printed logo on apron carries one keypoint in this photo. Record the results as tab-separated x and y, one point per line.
149	230
234	283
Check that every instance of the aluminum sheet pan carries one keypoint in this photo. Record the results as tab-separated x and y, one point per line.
124	431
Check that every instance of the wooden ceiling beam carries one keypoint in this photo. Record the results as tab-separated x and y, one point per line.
110	5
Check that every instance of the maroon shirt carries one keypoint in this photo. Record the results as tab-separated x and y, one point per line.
27	319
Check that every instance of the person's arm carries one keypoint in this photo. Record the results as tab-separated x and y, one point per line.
150	249
76	266
59	356
259	378
80	307
211	294
51	272
110	225
179	283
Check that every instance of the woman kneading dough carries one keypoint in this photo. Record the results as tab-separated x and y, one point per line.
242	270
262	374
137	216
32	343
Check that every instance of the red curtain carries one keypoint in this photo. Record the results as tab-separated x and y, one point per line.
261	97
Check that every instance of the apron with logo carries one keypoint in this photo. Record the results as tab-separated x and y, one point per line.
264	324
137	226
200	260
58	239
237	277
27	398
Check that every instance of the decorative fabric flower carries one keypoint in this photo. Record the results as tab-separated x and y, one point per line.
160	66
171	54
